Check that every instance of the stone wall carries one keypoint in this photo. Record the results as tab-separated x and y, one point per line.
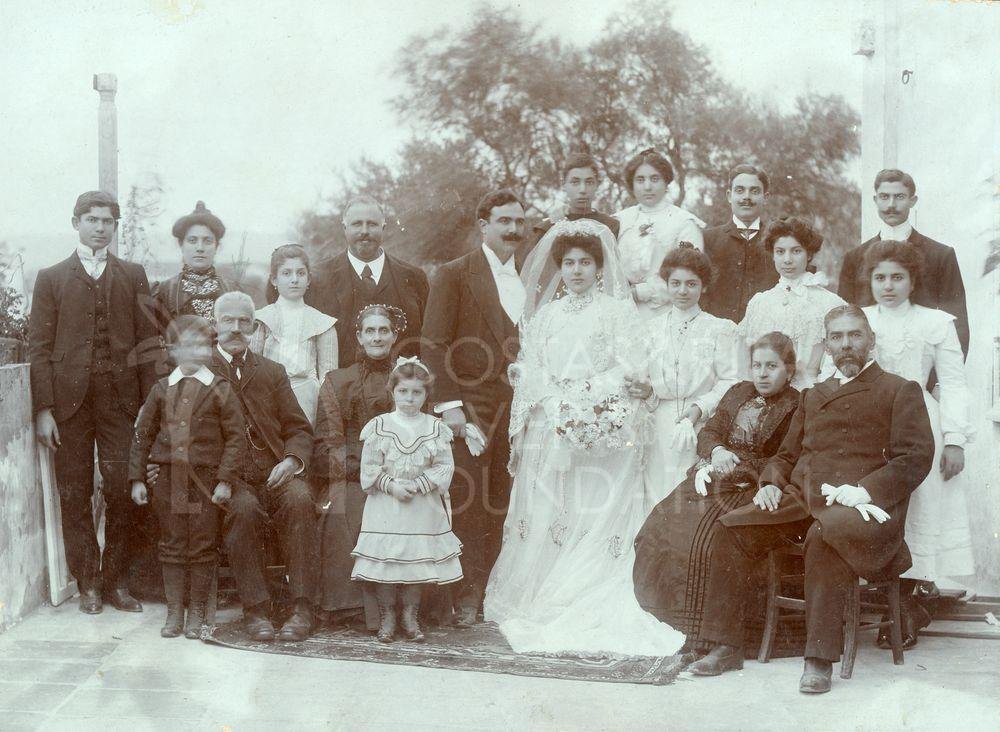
23	584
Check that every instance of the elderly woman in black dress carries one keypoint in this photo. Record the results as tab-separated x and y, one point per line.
671	564
348	398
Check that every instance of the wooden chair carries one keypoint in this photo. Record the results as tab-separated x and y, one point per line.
776	602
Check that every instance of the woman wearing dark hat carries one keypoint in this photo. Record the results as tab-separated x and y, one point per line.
195	289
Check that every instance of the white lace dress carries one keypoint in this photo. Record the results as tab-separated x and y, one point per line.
910	340
645	237
692	363
407	542
795	308
563	581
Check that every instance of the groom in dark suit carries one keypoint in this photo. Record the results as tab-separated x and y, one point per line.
469	339
365	274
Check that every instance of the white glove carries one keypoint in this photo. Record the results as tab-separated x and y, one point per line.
701	480
854	496
684	436
474	439
874	511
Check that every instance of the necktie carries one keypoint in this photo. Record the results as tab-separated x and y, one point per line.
368	279
747	233
237	365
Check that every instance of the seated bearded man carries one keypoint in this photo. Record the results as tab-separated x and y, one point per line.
858	445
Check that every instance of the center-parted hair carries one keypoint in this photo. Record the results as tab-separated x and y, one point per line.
780	344
183	324
902	253
894	175
288	251
590	243
491	200
396	317
411	371
685	256
747	169
648	157
797	228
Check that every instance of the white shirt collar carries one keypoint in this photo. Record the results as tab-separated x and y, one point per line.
203	374
376	264
895	233
844	379
496	265
86	254
226	354
755	226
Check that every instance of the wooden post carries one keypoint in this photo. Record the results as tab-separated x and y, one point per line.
107	139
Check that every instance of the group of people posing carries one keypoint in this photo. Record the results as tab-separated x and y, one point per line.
589	432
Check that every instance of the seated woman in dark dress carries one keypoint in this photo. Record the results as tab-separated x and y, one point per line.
348	399
671	563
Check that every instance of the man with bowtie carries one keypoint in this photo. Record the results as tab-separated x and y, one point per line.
858	445
742	266
366	274
470	338
941	285
94	351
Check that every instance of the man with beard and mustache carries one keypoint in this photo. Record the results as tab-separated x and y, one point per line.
273	491
742	265
470	338
364	275
941	286
865	435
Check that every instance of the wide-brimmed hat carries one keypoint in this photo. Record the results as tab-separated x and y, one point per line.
200	215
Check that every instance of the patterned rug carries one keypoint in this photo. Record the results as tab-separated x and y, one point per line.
480	648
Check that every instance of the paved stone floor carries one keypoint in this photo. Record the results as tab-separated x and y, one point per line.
61	670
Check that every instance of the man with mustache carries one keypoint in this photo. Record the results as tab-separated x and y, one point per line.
865	433
742	266
279	447
941	286
94	353
470	338
366	274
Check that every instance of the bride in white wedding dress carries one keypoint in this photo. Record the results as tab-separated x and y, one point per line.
563	581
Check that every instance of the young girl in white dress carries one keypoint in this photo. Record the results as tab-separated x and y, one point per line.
692	363
796	305
406	539
296	335
652	228
910	341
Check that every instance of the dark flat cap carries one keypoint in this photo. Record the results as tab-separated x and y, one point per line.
200	215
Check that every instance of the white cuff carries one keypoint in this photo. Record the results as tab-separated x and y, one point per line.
955	438
445	406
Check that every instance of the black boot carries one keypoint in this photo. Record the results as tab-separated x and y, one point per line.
201	583
174	576
386	595
411	609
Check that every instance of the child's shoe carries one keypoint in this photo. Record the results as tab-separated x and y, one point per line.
411	628
386	595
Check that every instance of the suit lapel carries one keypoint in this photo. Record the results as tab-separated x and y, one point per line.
78	271
387	279
832	390
344	278
484	290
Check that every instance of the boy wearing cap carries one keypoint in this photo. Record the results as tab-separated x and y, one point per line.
94	350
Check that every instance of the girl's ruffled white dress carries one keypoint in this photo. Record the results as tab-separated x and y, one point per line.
797	309
407	542
563	581
910	340
303	340
645	237
692	363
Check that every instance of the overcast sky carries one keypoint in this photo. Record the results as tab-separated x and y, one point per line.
253	106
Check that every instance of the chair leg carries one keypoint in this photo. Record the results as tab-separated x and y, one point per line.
773	611
852	617
895	630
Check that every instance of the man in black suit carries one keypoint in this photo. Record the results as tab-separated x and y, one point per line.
742	266
581	177
94	353
866	435
273	489
365	274
941	286
470	338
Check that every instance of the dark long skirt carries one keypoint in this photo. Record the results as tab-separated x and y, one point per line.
673	559
339	528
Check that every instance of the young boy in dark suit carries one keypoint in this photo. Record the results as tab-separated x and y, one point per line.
192	427
94	351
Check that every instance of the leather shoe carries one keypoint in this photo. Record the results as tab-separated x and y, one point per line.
467	617
816	676
720	659
90	602
121	599
299	626
258	627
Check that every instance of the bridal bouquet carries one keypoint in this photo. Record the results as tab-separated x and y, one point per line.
586	421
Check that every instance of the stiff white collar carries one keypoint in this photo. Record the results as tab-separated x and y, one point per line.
86	254
376	264
755	226
203	374
844	379
226	354
895	233
496	265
